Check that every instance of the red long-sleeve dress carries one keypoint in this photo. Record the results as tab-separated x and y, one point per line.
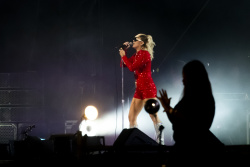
140	64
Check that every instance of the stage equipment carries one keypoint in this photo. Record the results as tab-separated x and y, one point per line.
69	126
132	139
87	125
8	132
71	145
152	106
92	144
63	144
90	113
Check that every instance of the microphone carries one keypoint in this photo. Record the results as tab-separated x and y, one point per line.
124	47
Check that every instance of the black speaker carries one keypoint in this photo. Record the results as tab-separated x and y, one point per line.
133	137
8	131
64	144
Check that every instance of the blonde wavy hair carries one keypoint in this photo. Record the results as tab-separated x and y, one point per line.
148	45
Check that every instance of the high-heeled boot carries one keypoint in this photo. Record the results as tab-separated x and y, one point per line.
159	136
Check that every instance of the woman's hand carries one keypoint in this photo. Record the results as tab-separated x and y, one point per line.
165	101
122	52
127	45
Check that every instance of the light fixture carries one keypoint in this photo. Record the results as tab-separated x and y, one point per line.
91	113
87	126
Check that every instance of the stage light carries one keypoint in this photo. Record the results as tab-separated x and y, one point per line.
87	127
91	113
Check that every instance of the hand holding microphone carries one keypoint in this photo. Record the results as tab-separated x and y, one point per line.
126	45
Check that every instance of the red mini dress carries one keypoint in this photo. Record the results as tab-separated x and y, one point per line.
140	64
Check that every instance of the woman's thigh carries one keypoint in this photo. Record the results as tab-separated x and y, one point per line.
136	107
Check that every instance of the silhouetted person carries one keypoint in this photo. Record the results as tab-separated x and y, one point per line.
193	115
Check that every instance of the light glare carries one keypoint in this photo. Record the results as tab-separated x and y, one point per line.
91	112
88	128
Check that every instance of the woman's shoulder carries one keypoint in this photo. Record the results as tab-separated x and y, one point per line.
143	52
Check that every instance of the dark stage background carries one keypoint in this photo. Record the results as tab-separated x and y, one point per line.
58	56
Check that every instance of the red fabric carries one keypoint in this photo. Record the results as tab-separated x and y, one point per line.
140	64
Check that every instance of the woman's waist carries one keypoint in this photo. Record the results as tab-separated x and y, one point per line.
144	74
145	80
145	85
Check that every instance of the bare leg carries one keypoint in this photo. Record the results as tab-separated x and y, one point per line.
157	123
154	117
135	109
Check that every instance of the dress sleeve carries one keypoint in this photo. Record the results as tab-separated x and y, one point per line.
141	59
131	60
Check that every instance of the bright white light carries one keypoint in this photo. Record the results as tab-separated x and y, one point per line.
91	112
87	127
